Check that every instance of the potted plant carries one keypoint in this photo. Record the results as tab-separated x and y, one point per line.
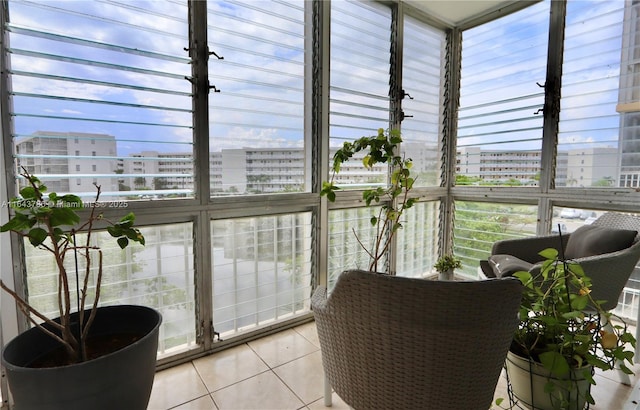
446	265
392	200
89	357
563	336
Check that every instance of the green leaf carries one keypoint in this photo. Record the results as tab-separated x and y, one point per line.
58	234
524	276
115	231
550	254
63	216
373	221
130	217
37	236
573	314
18	223
28	192
554	362
123	242
71	201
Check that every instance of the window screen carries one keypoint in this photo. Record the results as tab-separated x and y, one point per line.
499	133
104	85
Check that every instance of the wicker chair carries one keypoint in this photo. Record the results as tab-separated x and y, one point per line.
389	342
609	271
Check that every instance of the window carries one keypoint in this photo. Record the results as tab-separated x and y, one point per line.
257	107
478	225
359	89
595	95
500	121
262	270
79	69
422	71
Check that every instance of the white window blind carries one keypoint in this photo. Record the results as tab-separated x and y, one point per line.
422	69
257	117
499	136
262	270
418	240
479	225
103	83
599	108
359	89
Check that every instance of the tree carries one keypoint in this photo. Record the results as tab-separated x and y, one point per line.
159	183
139	182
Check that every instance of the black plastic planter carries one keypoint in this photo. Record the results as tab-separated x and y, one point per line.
120	380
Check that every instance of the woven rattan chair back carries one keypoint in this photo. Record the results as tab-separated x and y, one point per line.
389	342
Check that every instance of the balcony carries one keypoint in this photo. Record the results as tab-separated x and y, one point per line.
284	371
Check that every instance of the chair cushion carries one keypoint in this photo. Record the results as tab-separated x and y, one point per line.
507	265
590	240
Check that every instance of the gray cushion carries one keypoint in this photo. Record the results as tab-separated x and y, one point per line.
507	265
590	240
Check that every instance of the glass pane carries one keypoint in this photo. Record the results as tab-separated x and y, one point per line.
418	240
261	270
347	229
256	119
359	88
159	275
422	75
478	225
499	134
597	107
100	96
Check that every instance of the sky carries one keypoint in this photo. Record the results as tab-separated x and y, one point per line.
142	72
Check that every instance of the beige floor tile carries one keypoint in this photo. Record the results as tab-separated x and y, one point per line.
609	394
501	392
176	386
304	376
310	332
262	392
282	347
336	404
229	366
203	403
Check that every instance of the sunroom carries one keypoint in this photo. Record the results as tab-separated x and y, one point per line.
215	123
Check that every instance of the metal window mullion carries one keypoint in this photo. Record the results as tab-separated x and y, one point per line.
396	115
11	258
199	53
451	102
320	76
551	111
12	321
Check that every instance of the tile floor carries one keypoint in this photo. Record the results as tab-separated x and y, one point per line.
284	371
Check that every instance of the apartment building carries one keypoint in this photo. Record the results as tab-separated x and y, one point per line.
70	161
629	99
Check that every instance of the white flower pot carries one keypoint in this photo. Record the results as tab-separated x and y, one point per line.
527	381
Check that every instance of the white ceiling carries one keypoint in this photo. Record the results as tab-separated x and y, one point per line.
455	12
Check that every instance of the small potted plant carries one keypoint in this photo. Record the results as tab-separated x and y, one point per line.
393	200
90	356
446	265
563	336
